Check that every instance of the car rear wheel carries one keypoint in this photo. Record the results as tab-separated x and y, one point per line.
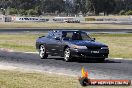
101	60
67	55
42	52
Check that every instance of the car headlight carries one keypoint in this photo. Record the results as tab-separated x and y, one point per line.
104	48
79	47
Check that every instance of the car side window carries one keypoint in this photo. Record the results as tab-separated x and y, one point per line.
67	35
50	35
56	35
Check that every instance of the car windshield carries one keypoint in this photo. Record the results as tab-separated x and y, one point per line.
75	36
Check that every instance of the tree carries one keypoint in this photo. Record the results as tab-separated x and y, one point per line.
80	6
12	11
128	12
52	6
83	7
68	7
97	6
127	4
22	12
32	12
118	6
109	6
122	12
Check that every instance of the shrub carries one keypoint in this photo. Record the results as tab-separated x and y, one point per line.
32	12
128	12
122	12
22	12
12	11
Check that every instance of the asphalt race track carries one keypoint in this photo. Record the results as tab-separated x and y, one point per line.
21	30
110	69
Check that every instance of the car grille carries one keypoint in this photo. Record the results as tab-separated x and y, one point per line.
93	48
93	55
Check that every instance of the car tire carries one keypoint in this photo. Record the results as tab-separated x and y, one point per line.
101	60
42	52
67	55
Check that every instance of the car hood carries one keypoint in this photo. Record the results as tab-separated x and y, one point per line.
86	43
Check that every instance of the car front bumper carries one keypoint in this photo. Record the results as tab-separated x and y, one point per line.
85	53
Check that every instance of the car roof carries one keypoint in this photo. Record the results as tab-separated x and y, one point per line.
59	32
65	31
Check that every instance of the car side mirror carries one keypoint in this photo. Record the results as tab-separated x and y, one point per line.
57	38
93	39
41	36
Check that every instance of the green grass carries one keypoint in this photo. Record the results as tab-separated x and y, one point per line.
15	79
19	42
63	25
112	16
119	44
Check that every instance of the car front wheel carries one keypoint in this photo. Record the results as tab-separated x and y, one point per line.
67	55
42	52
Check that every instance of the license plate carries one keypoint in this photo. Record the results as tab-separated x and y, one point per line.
94	51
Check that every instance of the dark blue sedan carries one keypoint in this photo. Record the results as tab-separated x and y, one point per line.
71	44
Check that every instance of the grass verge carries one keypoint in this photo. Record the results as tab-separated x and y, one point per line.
119	44
63	25
15	79
112	16
19	42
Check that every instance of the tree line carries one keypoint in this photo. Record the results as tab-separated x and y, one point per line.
68	7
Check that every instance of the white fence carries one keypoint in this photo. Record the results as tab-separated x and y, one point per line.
29	19
61	19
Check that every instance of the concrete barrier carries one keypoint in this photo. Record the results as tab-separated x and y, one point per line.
67	19
62	19
1	18
5	18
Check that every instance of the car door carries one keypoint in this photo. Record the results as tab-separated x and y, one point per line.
54	45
